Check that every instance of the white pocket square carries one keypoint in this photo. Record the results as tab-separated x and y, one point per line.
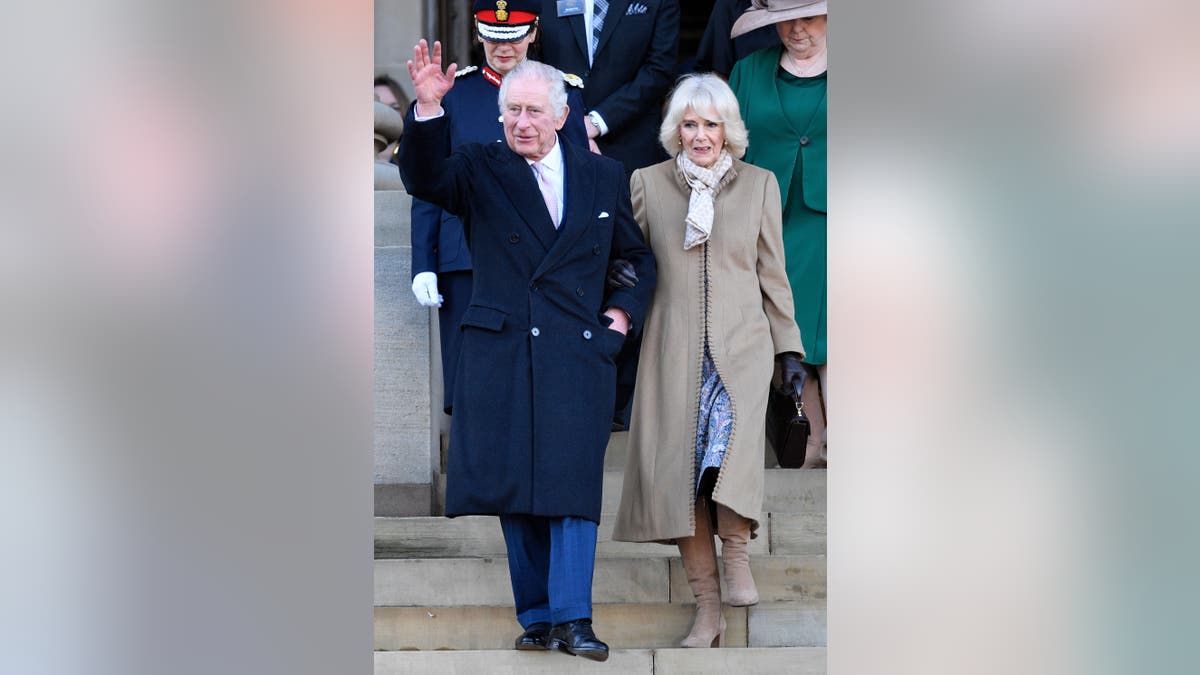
636	8
603	214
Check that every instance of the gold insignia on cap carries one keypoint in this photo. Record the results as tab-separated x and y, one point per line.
501	11
573	80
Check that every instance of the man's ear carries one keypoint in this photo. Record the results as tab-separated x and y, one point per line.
566	112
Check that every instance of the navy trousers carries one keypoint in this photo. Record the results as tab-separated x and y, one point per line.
550	563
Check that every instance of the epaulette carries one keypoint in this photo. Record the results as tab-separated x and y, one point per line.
573	80
465	71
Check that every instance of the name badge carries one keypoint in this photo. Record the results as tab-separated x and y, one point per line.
570	8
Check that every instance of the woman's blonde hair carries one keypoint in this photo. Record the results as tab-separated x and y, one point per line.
703	92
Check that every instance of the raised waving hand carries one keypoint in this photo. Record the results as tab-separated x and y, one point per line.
429	82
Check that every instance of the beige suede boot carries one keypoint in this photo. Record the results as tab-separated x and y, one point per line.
699	554
734	531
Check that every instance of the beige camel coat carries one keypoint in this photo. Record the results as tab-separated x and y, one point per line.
749	320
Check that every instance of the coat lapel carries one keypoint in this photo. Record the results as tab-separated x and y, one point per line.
616	12
519	185
580	200
578	29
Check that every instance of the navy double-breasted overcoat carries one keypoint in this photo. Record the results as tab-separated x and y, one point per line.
535	381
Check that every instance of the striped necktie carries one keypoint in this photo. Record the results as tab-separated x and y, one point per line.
599	9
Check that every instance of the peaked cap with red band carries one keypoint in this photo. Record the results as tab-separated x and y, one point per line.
505	20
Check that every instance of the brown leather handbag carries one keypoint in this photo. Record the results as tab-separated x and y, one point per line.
787	428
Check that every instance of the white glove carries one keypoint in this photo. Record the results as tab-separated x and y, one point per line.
425	288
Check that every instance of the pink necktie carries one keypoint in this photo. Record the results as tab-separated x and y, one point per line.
547	189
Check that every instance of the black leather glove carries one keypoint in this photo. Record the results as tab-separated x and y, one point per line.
620	273
789	373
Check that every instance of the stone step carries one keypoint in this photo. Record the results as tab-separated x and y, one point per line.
480	537
453	582
786	624
646	626
779	578
770	661
457	582
797	533
784	490
629	626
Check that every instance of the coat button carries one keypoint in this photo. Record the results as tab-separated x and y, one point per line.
804	140
514	238
596	249
534	331
587	335
579	292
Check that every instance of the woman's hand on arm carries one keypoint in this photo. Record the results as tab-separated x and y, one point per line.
621	273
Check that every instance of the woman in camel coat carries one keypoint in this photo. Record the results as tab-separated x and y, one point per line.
721	316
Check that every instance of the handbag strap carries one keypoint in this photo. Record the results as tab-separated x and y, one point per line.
811	371
821	398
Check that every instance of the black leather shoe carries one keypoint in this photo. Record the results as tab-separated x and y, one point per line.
534	638
577	638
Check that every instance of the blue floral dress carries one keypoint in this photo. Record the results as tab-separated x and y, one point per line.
714	424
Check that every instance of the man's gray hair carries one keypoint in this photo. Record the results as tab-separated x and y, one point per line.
553	77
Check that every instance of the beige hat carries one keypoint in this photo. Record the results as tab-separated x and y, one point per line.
389	125
767	12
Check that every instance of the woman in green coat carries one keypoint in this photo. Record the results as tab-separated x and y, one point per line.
781	92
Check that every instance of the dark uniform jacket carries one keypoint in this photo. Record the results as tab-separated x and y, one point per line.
633	69
535	382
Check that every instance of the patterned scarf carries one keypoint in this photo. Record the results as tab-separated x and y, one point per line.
705	184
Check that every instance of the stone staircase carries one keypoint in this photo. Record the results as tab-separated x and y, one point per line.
443	602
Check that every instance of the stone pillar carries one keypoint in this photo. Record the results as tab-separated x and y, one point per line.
399	24
405	441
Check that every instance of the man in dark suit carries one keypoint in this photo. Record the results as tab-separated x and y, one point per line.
535	382
625	51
